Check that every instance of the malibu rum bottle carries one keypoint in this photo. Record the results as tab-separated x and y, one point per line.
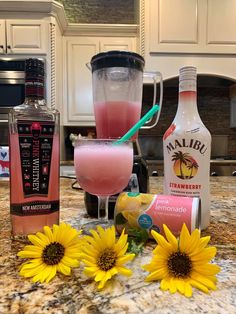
34	157
187	148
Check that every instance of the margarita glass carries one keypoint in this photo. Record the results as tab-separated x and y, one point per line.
103	168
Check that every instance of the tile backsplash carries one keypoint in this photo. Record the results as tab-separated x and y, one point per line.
213	107
101	11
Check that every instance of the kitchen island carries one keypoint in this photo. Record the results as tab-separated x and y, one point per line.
78	294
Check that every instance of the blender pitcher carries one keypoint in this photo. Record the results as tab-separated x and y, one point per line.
117	80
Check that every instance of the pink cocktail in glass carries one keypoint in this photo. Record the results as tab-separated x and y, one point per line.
103	168
115	118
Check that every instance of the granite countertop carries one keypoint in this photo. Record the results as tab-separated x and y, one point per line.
78	294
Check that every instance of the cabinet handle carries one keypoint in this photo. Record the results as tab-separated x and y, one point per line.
9	47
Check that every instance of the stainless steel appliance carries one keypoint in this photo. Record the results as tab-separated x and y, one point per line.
12	91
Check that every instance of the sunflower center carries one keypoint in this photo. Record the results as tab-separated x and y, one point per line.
53	253
179	264
106	260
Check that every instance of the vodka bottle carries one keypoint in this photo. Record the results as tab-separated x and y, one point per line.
187	148
34	157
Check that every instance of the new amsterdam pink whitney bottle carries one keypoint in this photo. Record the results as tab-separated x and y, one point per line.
187	148
34	157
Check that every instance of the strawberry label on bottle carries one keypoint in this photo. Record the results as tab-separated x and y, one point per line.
35	141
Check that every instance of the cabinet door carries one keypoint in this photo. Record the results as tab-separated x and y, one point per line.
173	25
117	43
27	36
221	26
191	26
78	85
2	37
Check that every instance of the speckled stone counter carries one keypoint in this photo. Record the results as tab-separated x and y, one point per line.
78	294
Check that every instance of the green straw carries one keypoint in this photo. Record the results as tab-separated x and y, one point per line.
138	125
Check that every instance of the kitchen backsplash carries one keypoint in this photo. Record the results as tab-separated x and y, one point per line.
213	107
103	11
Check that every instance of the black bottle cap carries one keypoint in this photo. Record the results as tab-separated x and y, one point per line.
116	58
34	65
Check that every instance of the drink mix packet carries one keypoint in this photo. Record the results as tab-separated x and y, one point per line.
141	211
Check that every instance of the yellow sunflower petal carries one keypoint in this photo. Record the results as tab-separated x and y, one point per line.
184	238
193	244
198	285
101	231
65	270
122	260
161	252
111	238
180	285
88	258
121	242
29	254
33	248
161	241
172	285
55	229
188	290
204	241
208	269
41	276
205	255
123	251
96	245
104	280
26	272
43	237
164	284
89	249
203	280
73	253
91	271
170	237
52	273
31	263
157	275
124	271
36	241
71	262
100	275
48	233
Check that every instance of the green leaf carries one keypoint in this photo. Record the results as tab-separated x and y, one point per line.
136	239
120	219
134	247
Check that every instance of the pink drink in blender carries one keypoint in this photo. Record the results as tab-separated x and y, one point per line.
103	169
117	78
115	118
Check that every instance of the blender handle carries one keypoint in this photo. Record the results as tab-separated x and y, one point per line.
88	65
154	75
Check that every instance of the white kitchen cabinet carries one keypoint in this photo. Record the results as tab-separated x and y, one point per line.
190	26
78	101
2	36
24	36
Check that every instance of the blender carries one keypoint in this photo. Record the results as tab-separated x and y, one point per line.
117	82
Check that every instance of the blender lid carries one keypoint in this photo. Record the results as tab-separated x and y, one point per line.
116	58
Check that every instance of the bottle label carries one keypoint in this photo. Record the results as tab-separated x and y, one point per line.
35	141
34	208
150	212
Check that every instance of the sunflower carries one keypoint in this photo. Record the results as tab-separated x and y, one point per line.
104	256
57	249
183	263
